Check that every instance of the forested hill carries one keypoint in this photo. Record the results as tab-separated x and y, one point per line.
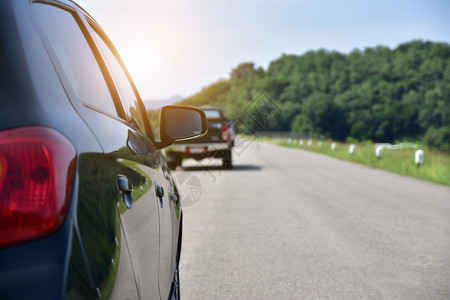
374	94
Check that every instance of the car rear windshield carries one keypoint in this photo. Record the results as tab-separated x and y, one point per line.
212	114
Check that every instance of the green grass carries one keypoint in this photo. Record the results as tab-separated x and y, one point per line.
436	166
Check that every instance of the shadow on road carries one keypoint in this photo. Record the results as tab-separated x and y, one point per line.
246	168
218	168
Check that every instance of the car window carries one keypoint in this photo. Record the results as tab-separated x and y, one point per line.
128	97
75	58
212	114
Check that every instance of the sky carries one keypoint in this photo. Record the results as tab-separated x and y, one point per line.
177	47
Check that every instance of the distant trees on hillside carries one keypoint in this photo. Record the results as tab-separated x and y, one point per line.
378	94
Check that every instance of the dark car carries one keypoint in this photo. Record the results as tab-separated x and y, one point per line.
88	207
217	143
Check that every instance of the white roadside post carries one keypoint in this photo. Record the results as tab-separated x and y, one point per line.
352	149
379	151
301	142
310	143
333	146
419	157
289	141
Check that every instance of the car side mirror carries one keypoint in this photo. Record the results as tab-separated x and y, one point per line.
178	123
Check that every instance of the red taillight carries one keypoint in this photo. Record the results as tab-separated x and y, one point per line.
225	135
37	168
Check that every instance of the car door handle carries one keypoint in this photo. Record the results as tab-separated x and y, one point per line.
125	189
159	191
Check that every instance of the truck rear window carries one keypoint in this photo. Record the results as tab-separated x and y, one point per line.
213	114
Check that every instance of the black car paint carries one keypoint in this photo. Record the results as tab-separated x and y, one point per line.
99	251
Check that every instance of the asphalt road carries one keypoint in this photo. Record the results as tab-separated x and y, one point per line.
291	224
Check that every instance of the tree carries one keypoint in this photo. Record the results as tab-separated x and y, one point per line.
376	93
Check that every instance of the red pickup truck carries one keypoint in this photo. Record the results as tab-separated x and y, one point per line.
216	143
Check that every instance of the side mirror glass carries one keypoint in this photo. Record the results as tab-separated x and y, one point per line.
181	123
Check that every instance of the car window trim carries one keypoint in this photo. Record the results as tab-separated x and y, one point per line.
99	31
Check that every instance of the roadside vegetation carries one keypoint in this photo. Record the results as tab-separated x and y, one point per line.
379	94
435	167
375	94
